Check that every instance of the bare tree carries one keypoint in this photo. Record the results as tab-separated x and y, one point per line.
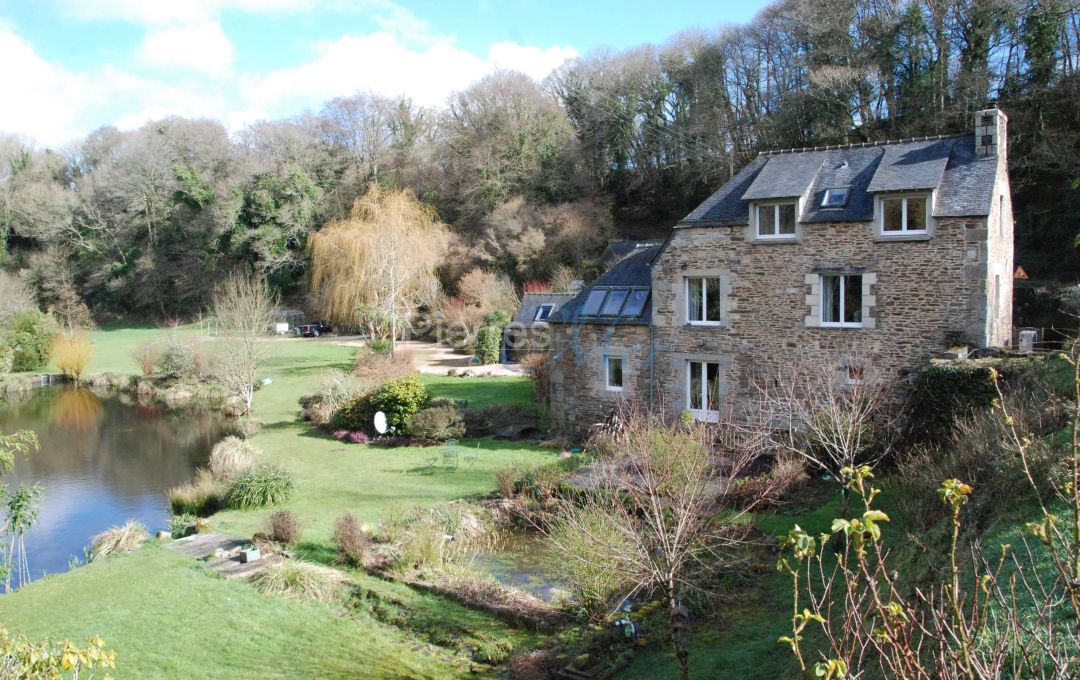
243	309
660	516
827	413
384	256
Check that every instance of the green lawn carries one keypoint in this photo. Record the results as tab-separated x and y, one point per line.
167	618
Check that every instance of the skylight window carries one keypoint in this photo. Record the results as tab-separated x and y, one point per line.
835	197
593	302
635	304
614	302
543	312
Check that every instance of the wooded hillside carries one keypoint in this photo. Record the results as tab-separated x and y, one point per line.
531	176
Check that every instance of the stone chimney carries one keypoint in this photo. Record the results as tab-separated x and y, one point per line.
990	135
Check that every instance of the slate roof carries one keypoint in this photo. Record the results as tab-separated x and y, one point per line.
632	271
617	250
530	303
964	181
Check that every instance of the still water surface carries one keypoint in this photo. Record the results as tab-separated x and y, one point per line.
102	461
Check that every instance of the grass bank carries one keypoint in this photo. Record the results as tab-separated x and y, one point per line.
166	617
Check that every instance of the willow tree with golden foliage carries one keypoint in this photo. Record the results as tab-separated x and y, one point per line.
382	258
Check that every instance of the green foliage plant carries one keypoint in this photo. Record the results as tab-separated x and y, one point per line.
48	660
263	485
398	399
7	359
489	344
30	338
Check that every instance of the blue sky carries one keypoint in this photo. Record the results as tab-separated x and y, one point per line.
70	66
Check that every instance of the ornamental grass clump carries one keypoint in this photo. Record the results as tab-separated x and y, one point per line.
231	457
202	496
300	580
265	484
117	540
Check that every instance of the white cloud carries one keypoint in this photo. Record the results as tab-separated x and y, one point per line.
199	47
55	104
41	100
382	64
159	12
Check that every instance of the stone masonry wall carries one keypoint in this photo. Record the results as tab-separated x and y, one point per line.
579	397
919	295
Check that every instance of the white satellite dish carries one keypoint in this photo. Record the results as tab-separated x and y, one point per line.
380	422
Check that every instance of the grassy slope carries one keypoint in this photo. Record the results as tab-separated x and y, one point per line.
167	618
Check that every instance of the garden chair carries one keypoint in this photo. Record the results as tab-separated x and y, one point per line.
450	455
471	457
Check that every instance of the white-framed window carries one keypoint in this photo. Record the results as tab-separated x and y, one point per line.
835	197
613	374
543	312
776	220
841	300
703	301
703	390
905	214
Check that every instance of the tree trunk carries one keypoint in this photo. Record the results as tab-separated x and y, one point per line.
678	643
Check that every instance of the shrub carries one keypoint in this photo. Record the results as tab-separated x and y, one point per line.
265	484
352	542
358	437
943	394
30	337
203	496
437	424
177	359
398	399
538	367
146	356
423	544
283	527
7	358
489	344
506	480
178	524
231	457
117	540
298	579
72	352
374	369
497	318
381	347
493	652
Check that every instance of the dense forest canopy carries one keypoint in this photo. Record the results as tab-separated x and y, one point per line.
533	176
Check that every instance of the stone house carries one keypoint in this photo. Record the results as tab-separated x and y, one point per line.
873	256
528	331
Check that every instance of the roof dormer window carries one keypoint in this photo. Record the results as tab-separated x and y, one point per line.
776	220
903	215
835	197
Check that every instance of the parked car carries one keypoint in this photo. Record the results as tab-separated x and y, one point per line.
314	329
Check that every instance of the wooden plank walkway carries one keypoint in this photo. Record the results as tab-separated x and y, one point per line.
221	553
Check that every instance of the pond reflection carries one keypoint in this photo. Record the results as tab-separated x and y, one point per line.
102	461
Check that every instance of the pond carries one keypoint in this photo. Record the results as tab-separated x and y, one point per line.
522	560
102	461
